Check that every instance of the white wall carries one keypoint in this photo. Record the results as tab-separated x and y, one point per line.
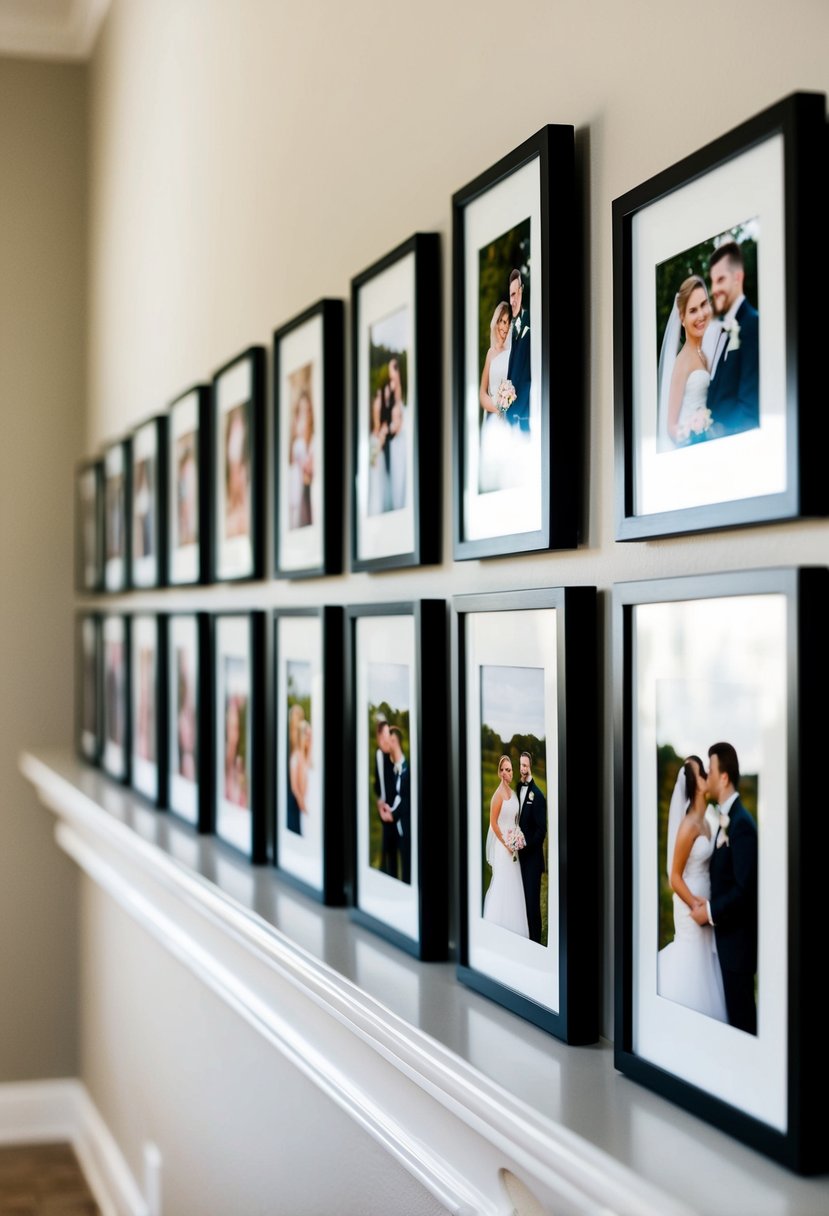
248	158
42	375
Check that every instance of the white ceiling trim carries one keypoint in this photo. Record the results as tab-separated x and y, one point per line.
50	29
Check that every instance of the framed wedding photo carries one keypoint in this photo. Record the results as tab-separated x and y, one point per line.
188	482
148	671
89	526
398	748
525	715
88	715
397	401
717	332
517	426
116	516
720	683
189	718
240	817
115	748
308	747
239	467
148	503
308	430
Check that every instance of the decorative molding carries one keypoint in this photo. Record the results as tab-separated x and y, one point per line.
451	1127
34	1112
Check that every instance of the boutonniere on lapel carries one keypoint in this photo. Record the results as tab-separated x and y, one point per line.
722	836
733	331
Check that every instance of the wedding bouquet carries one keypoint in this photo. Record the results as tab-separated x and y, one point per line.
699	422
514	840
506	396
374	450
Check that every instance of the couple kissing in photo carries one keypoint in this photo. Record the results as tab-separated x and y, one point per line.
392	787
711	963
515	851
709	387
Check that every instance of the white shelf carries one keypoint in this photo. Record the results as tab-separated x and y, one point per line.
454	1087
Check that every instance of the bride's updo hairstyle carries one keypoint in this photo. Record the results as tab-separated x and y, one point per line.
500	309
684	294
691	777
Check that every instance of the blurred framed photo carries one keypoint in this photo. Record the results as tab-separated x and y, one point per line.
397	395
396	679
188	718
525	692
717	332
308	747
239	467
517	423
720	682
116	516
148	671
148	503
88	707
89	526
115	750
239	732
308	425
188	482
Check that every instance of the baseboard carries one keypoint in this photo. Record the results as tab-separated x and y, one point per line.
34	1112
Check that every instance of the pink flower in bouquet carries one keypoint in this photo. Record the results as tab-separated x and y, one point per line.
514	840
506	396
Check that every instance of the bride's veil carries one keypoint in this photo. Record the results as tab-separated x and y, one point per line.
676	813
667	359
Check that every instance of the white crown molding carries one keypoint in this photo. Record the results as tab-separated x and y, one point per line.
35	1112
61	29
451	1127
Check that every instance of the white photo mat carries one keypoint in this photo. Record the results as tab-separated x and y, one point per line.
729	641
751	463
234	823
504	206
89	656
386	639
115	566
525	638
299	640
184	420
183	642
144	638
301	548
234	555
115	661
145	447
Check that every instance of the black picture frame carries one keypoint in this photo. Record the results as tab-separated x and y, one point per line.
396	309
318	865
238	638
148	706
765	464
540	501
116	696
89	526
189	713
239	385
416	632
311	345
117	462
551	634
189	468
88	687
148	504
753	647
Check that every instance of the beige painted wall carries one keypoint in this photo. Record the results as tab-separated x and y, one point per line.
42	368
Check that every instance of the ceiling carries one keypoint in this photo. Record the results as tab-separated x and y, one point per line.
50	29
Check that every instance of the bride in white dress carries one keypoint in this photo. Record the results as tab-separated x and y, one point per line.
684	377
504	902
688	969
497	470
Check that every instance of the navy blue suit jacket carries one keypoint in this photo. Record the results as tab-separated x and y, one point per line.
519	372
734	892
734	392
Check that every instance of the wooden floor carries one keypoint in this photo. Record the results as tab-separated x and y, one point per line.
43	1180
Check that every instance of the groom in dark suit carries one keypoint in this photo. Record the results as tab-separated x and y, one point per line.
400	808
532	820
732	909
518	368
734	391
384	790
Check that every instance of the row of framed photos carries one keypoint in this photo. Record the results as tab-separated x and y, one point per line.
719	683
716	339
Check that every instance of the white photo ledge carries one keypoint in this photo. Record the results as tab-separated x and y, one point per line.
480	1106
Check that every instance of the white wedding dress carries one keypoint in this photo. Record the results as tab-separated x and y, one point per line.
688	969
397	463
499	469
694	401
504	902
